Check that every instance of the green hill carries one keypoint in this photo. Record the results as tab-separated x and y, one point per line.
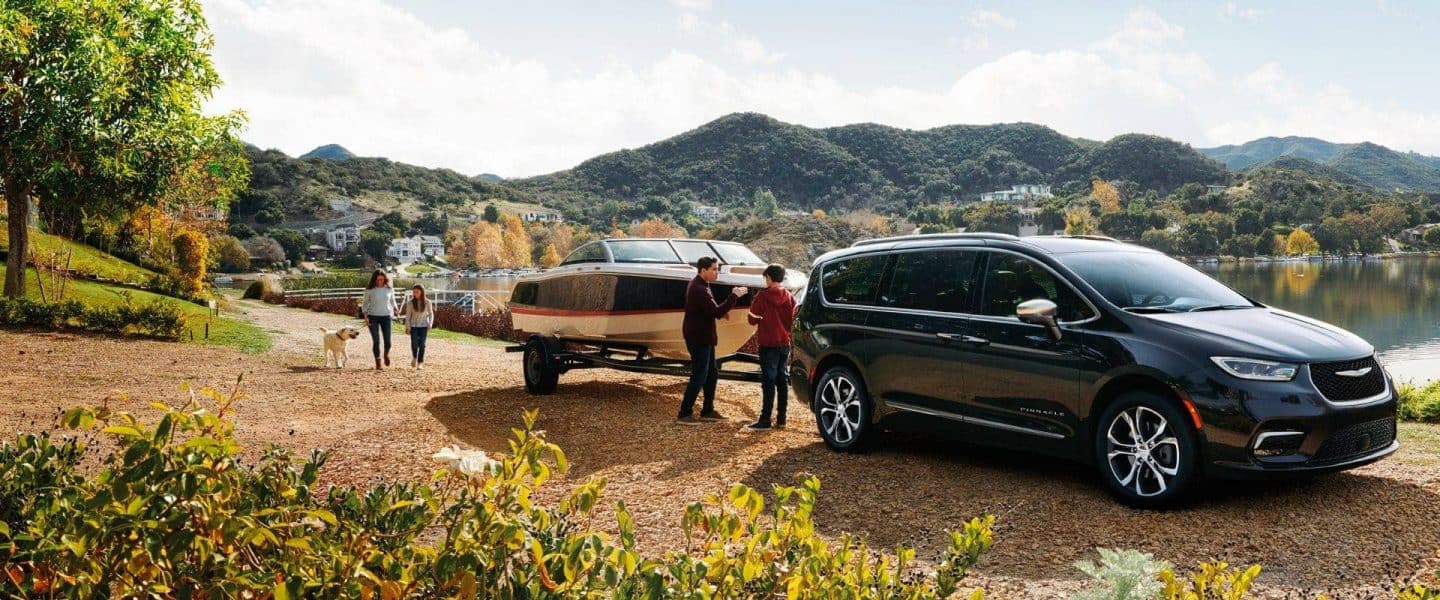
1373	165
329	152
84	259
860	166
1314	169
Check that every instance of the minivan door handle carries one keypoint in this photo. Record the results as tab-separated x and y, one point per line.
968	339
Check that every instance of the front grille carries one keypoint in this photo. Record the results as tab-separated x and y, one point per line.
1342	388
1356	440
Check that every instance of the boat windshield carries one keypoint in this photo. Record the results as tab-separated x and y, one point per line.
692	250
642	251
736	254
591	252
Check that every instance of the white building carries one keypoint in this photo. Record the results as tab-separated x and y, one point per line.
1026	192
1215	189
342	238
406	250
542	216
708	214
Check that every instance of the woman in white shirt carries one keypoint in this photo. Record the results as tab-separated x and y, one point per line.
378	304
419	315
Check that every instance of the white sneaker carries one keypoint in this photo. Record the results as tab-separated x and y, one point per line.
420	366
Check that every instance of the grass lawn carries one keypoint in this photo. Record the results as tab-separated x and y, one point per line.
224	331
84	259
1421	443
420	268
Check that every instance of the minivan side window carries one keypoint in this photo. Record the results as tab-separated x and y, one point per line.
935	280
1012	279
853	280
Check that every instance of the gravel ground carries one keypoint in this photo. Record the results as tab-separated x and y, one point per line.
1351	535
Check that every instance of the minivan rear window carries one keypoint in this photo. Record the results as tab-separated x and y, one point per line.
937	280
852	281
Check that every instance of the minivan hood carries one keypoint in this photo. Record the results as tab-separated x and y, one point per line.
1267	333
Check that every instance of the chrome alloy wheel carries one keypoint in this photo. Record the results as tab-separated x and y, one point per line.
840	410
1143	452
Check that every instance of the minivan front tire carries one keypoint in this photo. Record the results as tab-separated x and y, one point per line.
1146	450
842	409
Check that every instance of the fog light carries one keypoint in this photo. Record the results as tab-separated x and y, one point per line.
1278	443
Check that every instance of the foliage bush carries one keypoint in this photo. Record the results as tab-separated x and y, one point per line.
173	512
192	250
1419	403
159	318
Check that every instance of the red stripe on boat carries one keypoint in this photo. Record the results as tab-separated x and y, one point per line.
560	312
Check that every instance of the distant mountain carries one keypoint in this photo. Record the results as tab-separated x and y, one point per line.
490	178
1315	169
329	152
862	166
1369	164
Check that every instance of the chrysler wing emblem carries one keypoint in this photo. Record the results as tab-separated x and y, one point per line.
1354	373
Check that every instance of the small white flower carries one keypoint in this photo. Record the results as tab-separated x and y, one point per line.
472	464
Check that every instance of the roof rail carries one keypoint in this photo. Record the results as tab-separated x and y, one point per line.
937	236
1103	238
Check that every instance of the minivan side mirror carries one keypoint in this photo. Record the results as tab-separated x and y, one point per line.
1039	311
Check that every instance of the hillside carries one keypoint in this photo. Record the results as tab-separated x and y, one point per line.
301	189
793	241
1371	164
725	161
1314	169
329	152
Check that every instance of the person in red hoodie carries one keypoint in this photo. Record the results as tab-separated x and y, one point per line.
701	311
772	312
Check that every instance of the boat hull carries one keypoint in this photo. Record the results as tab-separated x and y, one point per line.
659	332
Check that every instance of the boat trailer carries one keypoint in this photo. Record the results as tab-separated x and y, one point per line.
547	357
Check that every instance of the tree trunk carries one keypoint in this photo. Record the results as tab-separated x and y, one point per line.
17	199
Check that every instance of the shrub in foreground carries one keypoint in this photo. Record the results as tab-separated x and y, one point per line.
1417	403
157	318
174	513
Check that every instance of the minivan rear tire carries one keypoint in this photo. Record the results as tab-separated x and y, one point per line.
843	409
1159	467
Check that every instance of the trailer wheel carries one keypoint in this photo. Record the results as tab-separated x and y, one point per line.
541	374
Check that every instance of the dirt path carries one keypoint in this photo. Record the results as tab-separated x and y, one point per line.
1350	534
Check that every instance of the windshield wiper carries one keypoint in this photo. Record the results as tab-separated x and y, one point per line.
1221	307
1149	309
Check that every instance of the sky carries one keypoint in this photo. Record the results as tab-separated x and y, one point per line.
526	88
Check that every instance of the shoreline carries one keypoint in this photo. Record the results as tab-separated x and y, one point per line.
1219	259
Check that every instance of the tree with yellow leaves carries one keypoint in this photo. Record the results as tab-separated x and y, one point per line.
551	257
562	237
656	228
819	214
1106	195
515	243
191	254
1301	242
484	245
1079	221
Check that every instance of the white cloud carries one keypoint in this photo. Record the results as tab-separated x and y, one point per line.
1232	10
692	4
975	43
1280	105
690	22
985	19
380	81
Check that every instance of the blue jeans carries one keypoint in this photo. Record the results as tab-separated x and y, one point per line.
704	373
378	326
417	343
773	382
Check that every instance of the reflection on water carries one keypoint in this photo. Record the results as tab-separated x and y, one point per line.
1393	304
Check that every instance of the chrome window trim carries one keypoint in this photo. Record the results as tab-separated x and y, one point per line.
930	412
933	313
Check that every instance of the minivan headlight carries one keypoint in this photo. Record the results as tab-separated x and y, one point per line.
1253	368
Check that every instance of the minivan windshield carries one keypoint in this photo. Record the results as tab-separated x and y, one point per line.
1152	282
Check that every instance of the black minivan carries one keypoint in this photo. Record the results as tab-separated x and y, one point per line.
1084	348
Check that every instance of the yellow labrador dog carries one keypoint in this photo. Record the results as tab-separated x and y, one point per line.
335	345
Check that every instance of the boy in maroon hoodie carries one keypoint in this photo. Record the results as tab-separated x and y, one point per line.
772	312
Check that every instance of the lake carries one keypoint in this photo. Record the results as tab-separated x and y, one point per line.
1394	304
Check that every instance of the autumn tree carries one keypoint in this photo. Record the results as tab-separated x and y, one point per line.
1106	195
191	255
228	255
102	97
264	250
656	228
1300	242
515	242
485	245
1079	221
551	257
562	237
456	251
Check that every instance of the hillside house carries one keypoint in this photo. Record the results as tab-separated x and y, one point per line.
1215	189
342	238
1416	234
708	214
542	216
406	250
1026	192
